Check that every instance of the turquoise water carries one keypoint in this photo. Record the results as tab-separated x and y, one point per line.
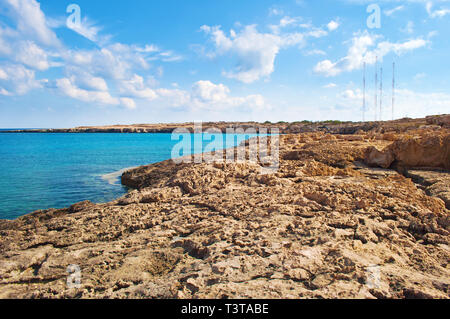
41	171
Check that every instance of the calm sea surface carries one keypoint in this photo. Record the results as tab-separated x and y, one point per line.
41	171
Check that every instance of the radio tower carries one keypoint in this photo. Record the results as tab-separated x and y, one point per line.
381	92
376	87
393	89
364	93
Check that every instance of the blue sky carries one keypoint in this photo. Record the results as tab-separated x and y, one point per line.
70	63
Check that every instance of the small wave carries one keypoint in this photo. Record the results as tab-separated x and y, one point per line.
114	177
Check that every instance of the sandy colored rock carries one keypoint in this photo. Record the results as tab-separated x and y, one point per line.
428	150
324	225
374	157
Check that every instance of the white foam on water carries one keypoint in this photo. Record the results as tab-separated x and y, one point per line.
114	177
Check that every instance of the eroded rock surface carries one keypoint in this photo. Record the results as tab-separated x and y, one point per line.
324	225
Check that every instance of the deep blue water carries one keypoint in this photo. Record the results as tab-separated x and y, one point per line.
41	171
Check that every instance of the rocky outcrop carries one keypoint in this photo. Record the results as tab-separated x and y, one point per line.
435	183
430	150
383	159
325	225
441	120
422	150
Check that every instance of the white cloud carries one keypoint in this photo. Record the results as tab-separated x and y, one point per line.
31	21
419	76
3	75
67	87
15	79
128	103
136	87
149	48
86	81
429	4
33	46
315	52
206	91
408	103
394	10
418	104
256	52
439	13
359	52
409	28
25	52
333	25
275	11
205	95
86	28
330	85
175	97
31	55
352	94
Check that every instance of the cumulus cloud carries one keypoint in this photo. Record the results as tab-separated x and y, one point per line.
255	51
136	87
128	103
360	51
67	87
333	25
31	22
90	75
206	95
352	94
206	91
25	52
87	81
15	79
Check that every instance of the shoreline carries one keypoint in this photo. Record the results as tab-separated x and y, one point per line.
339	210
332	127
115	178
443	121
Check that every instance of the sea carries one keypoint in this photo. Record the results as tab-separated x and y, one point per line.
55	170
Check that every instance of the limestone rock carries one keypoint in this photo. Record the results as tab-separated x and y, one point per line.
374	157
324	225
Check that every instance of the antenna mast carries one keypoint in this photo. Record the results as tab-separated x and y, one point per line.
376	87
393	89
364	93
381	92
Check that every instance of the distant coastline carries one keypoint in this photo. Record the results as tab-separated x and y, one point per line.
333	127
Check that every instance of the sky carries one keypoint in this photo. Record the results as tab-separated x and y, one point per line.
79	62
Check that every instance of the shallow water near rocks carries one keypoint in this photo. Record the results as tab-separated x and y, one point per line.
45	170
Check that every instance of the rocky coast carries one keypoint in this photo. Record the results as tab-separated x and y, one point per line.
354	211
